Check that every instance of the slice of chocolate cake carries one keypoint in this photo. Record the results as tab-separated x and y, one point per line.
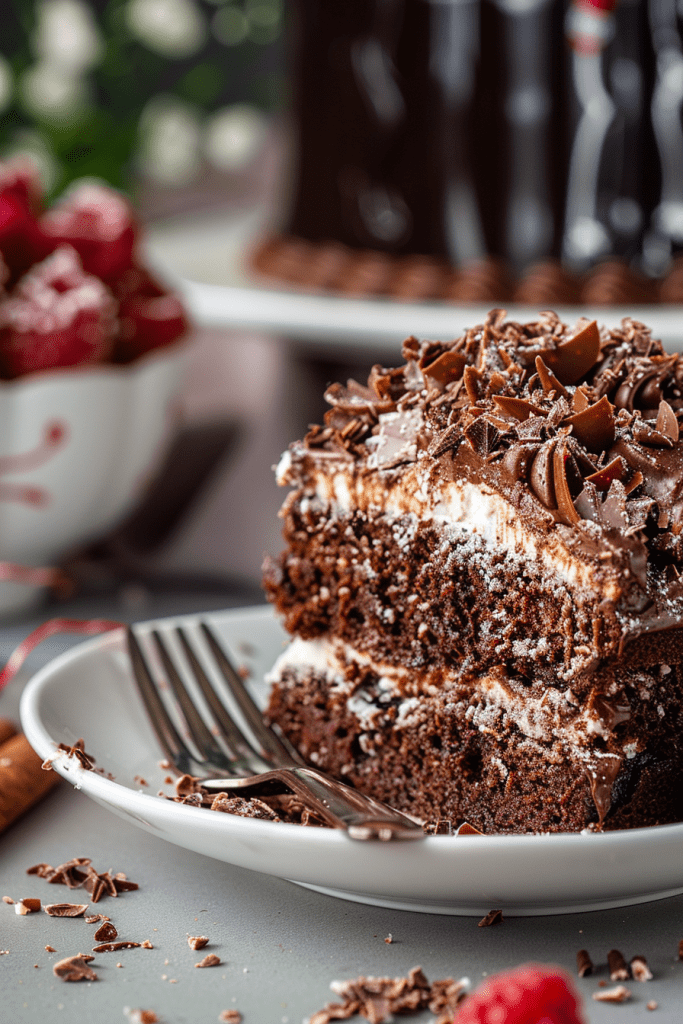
482	580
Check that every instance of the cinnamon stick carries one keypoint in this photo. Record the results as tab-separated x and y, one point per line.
7	729
22	780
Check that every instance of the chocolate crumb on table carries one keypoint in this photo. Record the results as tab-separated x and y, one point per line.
211	960
65	909
377	999
7	899
389	939
106	932
140	1016
230	1017
493	917
50	949
112	947
75	968
28	905
652	1005
618	994
618	968
640	969
584	964
197	941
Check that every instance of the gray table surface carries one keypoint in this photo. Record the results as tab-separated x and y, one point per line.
280	945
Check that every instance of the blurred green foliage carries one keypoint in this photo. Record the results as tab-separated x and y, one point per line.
224	52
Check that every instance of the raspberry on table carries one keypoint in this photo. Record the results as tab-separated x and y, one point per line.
530	994
98	222
56	316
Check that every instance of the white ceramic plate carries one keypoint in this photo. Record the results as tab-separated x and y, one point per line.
89	692
206	260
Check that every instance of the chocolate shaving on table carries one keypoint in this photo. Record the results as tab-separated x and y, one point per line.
7	899
378	999
27	905
493	917
618	994
197	941
230	1017
584	964
112	947
618	968
106	932
210	960
75	968
639	969
77	750
65	909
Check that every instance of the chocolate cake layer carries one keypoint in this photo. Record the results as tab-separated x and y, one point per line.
501	517
502	752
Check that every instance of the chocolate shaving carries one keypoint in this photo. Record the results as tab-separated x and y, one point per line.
595	426
541	476
643	433
66	909
472	379
584	964
483	436
667	423
445	441
618	968
29	905
211	960
618	994
548	380
230	1017
563	496
468	830
602	478
197	941
106	932
572	359
75	968
78	751
640	970
518	408
493	917
112	947
448	367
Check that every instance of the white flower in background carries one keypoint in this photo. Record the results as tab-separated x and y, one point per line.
31	146
5	83
66	34
174	28
230	26
233	136
170	134
51	92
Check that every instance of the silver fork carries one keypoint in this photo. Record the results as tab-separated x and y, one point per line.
225	760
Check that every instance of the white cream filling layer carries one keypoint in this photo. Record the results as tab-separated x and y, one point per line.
472	508
493	706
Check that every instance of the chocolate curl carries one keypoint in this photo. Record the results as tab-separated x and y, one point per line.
548	380
519	408
594	427
88	627
667	423
573	358
563	496
22	779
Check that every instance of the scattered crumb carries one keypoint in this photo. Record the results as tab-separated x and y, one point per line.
389	939
618	968
209	961
230	1017
173	981
147	944
197	941
140	781
112	947
140	1016
652	1005
584	964
35	965
377	999
50	949
29	905
7	899
4	952
75	968
119	965
493	917
168	780
618	994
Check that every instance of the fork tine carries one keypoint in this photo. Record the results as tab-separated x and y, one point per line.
202	736
233	735
270	742
173	746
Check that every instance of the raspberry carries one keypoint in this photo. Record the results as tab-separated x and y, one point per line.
530	994
21	242
57	316
98	222
150	317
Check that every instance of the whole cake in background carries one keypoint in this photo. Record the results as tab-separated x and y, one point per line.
482	580
486	150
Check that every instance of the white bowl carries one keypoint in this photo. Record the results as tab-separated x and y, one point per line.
77	448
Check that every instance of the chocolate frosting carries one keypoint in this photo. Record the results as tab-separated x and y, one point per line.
578	428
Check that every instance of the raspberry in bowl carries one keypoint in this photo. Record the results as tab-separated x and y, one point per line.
92	353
